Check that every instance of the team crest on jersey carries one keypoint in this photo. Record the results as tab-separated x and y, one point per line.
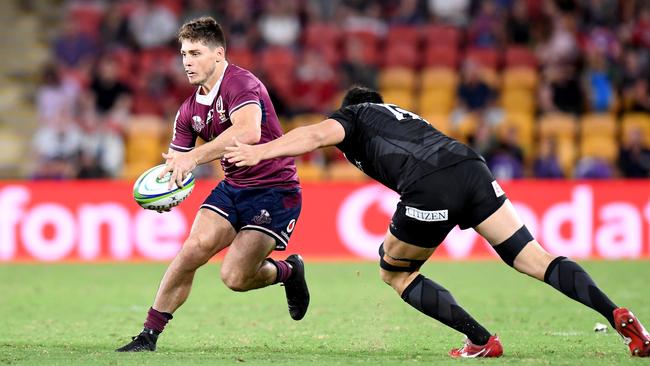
210	115
221	111
263	218
197	123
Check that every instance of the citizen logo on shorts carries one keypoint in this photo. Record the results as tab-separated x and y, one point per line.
427	216
497	189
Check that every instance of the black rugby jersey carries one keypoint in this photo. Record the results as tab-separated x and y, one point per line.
394	146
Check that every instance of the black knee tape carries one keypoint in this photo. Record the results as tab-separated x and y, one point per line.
414	264
509	249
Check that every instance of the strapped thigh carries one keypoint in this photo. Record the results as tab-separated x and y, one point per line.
510	248
414	264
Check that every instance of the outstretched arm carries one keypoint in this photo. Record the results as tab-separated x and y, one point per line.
296	142
245	127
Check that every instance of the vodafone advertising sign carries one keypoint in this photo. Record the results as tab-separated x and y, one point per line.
99	221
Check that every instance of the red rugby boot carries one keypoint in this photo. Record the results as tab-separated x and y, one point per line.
492	348
634	334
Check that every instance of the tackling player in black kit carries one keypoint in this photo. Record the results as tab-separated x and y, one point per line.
442	183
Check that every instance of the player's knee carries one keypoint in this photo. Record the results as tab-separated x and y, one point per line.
396	280
387	277
234	280
194	252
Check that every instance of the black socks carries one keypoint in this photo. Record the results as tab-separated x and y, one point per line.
435	301
570	279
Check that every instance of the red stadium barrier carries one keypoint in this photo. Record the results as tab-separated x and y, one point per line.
99	221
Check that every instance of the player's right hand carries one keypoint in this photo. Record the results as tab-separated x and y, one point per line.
243	154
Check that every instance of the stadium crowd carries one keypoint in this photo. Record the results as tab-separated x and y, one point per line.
541	88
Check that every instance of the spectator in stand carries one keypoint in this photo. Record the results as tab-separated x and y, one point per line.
199	8
486	28
641	96
483	140
641	29
112	98
355	70
632	69
547	164
598	85
506	161
101	149
55	146
452	12
114	28
602	40
593	168
152	24
322	10
364	16
634	157
242	30
518	24
561	47
55	96
74	49
409	12
600	12
561	91
475	96
279	24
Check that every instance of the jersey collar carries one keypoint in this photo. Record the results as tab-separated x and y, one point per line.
207	99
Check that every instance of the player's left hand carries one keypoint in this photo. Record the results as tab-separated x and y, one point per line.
179	165
242	154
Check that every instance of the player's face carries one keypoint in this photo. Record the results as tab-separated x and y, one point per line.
200	61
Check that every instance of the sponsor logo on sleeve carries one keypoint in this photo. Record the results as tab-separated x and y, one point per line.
497	189
427	216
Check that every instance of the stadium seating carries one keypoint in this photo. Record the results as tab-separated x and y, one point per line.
517	56
487	57
598	125
403	98
406	35
599	146
441	35
562	128
144	143
632	121
401	55
439	77
518	101
397	78
441	56
436	101
520	78
440	121
344	171
524	125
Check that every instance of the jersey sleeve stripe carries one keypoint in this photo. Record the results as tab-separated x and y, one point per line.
243	104
180	148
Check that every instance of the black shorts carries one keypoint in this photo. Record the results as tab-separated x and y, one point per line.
464	194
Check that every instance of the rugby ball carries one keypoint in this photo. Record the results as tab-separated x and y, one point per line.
151	192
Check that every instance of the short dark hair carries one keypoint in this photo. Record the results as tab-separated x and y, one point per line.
205	30
361	94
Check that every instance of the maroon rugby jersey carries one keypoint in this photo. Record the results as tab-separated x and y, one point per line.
208	116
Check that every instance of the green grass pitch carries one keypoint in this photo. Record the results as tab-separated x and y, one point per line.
66	314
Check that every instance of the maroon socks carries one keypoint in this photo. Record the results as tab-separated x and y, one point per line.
283	268
156	320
